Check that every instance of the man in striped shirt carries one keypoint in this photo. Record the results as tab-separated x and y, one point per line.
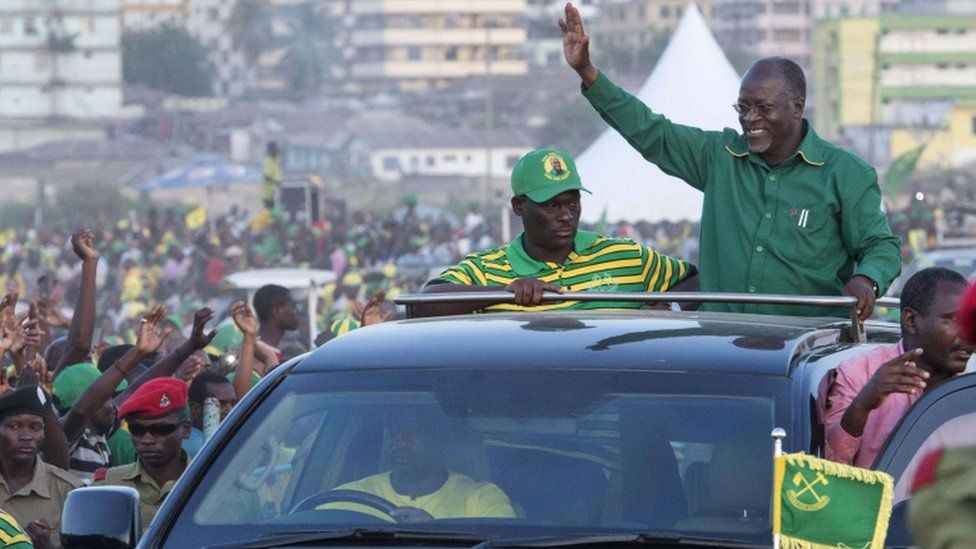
552	254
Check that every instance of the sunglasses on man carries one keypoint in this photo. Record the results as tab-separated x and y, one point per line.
157	429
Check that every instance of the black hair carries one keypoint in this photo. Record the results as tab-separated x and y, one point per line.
110	355
920	289
198	388
267	298
796	82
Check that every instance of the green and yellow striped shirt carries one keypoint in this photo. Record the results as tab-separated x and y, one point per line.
11	534
598	263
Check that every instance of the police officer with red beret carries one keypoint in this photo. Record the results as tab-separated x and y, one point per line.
158	422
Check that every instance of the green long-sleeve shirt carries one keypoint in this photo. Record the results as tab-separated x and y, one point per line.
804	227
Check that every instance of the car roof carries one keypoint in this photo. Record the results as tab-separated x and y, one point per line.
644	339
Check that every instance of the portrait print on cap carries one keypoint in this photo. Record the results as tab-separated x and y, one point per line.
555	167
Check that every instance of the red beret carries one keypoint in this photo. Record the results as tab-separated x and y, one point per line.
967	315
156	397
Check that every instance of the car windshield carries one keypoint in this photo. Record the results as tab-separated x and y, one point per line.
506	452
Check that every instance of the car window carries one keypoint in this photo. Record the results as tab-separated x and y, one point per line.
524	449
944	418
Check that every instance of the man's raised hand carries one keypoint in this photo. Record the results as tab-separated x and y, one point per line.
150	337
576	45
199	338
243	317
898	375
83	243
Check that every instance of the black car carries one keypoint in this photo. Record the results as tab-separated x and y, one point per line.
601	428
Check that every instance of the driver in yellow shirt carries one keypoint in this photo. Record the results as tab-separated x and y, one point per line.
421	487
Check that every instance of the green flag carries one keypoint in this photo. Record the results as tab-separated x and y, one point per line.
900	169
819	504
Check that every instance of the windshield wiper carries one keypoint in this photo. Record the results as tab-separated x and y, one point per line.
368	536
612	540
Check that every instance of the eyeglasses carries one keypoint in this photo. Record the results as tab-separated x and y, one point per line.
157	429
763	109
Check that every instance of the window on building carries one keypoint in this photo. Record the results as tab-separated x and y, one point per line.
431	161
974	125
213	14
787	35
451	54
511	160
6	25
30	26
450	158
391	164
786	8
413	53
665	12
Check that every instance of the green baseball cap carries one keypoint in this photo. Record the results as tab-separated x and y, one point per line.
544	173
74	380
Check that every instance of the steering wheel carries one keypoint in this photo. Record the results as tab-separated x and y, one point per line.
349	496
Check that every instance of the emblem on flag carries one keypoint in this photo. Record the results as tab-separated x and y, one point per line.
164	402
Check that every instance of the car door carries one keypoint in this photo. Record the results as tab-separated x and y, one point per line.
943	417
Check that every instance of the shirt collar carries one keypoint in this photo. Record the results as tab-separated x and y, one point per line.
811	150
37	483
139	472
523	265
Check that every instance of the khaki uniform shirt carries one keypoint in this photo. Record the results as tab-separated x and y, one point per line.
151	495
942	511
41	498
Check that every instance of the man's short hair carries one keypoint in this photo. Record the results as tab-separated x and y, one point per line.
920	289
198	388
796	82
267	298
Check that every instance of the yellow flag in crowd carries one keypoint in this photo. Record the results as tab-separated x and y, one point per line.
196	218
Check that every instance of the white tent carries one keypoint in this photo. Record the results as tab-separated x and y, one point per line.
693	84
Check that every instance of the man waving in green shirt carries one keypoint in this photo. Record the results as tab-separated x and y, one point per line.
784	211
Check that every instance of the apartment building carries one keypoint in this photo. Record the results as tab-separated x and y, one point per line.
636	24
209	22
890	83
60	59
410	45
142	15
827	9
761	28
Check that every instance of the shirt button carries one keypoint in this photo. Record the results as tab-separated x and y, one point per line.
769	215
772	178
752	289
759	248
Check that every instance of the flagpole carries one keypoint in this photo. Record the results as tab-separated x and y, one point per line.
778	435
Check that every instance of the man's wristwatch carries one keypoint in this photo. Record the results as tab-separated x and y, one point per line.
874	285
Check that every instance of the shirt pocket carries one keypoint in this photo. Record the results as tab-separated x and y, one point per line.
808	234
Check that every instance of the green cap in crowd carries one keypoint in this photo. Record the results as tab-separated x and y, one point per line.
228	338
74	380
544	173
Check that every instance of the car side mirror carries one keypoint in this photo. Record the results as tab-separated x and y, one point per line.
101	516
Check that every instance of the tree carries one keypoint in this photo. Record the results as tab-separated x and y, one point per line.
166	59
309	47
250	27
